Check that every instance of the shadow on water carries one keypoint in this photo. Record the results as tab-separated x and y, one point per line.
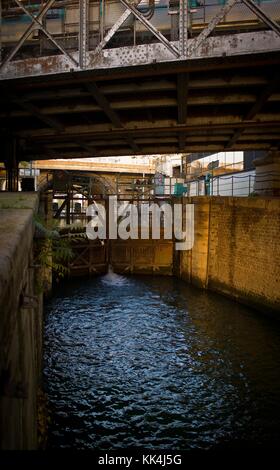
150	362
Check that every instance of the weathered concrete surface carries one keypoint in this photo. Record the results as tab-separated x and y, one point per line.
20	323
236	250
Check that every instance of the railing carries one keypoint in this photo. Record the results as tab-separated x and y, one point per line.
239	18
196	172
239	185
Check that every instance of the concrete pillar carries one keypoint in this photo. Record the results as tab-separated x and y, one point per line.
267	182
11	164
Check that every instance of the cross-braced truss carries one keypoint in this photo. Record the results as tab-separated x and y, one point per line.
86	57
200	92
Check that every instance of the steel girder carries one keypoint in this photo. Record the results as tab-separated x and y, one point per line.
185	48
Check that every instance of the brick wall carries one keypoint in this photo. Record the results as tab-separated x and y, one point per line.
236	249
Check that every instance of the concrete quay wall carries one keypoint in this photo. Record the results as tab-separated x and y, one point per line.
21	308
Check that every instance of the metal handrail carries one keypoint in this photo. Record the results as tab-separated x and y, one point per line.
223	185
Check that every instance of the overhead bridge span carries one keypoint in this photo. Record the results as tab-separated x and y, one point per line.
125	83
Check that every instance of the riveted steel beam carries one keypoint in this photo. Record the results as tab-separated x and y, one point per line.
263	16
151	28
211	26
42	28
104	104
255	109
89	148
32	109
83	33
182	96
183	28
109	111
112	31
27	33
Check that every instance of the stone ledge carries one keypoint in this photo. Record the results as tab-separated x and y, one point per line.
16	212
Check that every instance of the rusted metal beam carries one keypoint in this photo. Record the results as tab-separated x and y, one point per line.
87	147
60	147
93	135
263	16
263	98
219	82
167	149
133	144
151	28
112	31
104	104
154	59
197	127
158	140
83	32
35	111
183	28
234	138
110	113
182	96
182	102
211	26
255	109
181	141
26	34
42	28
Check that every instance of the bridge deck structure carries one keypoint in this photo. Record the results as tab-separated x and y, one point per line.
202	93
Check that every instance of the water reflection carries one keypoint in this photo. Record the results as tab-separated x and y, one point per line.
150	362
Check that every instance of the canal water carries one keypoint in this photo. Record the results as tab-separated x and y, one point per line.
150	362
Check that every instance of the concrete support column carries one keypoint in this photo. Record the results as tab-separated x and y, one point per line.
11	164
267	182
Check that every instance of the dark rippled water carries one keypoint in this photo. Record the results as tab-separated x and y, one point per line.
153	363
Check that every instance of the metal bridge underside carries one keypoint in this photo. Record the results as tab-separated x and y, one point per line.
218	93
